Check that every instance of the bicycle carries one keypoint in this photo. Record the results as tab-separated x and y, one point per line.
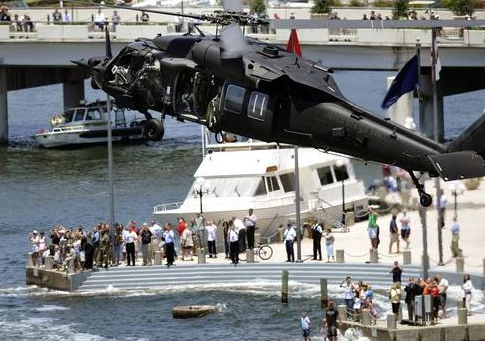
264	251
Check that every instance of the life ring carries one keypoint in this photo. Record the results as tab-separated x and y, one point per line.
192	311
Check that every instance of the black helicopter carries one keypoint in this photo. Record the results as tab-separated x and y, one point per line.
230	83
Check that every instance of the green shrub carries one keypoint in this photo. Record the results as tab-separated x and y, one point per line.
357	3
400	9
258	6
460	7
383	3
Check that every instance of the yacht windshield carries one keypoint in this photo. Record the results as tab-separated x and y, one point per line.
230	187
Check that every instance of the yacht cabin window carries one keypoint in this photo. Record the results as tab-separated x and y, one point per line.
260	190
287	181
272	184
257	106
231	187
79	115
93	114
69	114
234	98
325	175
341	172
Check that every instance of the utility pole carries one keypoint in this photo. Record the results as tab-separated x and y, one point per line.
297	205
110	166
440	218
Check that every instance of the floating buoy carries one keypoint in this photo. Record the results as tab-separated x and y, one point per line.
192	311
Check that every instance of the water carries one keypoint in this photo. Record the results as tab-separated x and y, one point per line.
41	188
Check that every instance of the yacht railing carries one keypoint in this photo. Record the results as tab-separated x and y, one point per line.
328	218
167	207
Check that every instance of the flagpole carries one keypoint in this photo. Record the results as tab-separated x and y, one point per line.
433	71
422	210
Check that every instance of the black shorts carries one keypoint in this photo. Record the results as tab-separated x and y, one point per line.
405	233
331	331
443	300
305	332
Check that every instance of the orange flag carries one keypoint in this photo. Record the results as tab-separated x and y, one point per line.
293	44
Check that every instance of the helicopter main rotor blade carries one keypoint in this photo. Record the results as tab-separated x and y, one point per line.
233	6
193	16
108	52
233	42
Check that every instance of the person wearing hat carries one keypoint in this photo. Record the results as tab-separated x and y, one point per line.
329	322
35	241
289	237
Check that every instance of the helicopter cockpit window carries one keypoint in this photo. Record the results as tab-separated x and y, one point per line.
234	99
257	106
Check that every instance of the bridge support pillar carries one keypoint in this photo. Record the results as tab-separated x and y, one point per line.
72	92
3	108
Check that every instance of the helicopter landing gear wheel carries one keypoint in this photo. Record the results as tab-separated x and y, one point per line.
154	129
425	199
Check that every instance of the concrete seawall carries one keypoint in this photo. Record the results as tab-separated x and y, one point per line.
55	280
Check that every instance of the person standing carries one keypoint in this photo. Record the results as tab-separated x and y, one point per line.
329	245
405	228
66	18
129	237
316	230
225	238
396	272
306	325
181	226
146	237
118	244
56	16
186	243
104	248
443	285
373	228
250	222
330	322
211	233
394	234
240	228
455	250
289	237
233	240
349	289
442	207
467	288
410	293
199	227
395	296
169	239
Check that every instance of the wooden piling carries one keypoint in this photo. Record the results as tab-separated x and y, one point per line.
285	287
324	298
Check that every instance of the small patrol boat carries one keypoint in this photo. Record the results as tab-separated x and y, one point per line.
87	125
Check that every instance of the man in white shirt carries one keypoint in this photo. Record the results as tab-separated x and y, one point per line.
240	227
443	286
233	240
305	321
66	16
250	223
211	233
100	19
130	236
169	239
289	237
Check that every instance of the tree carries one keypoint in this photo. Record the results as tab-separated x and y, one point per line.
258	6
460	7
322	6
400	10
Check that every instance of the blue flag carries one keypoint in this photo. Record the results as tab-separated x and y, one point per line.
405	81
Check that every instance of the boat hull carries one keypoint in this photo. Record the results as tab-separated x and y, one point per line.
83	138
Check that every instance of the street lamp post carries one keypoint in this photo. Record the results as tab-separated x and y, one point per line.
340	163
202	187
457	188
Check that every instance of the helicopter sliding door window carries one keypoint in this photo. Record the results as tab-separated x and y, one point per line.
257	106
234	98
325	175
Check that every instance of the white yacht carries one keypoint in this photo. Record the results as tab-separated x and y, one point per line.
86	125
234	177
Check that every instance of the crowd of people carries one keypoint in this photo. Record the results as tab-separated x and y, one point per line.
19	23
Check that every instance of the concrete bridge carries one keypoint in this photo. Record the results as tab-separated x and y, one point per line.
30	59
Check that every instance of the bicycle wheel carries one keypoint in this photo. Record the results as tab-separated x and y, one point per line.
265	252
242	256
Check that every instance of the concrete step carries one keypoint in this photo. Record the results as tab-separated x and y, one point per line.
160	276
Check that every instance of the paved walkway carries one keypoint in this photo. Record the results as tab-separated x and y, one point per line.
471	217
